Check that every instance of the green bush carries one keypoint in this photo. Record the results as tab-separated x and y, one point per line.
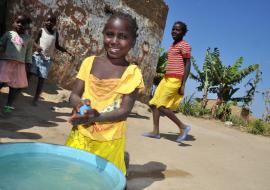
186	105
237	121
190	106
224	111
258	127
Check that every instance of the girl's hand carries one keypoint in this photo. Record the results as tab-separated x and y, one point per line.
181	90
39	49
87	118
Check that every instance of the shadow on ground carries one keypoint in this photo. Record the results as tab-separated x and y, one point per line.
138	116
27	116
142	176
149	172
173	137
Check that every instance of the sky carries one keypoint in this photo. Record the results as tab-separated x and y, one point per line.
236	27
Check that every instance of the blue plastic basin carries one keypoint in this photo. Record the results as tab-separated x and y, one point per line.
32	166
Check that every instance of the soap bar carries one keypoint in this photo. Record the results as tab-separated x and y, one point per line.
84	108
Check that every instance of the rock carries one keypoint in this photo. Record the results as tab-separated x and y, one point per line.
228	123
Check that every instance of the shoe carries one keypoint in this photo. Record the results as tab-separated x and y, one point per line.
8	109
184	135
150	135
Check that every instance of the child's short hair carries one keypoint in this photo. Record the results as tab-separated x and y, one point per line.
27	20
184	26
52	17
129	18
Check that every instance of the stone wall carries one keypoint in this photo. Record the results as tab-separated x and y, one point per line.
80	24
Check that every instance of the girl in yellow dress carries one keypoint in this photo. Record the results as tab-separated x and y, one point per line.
111	83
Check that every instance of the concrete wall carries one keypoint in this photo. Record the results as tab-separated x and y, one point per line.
80	24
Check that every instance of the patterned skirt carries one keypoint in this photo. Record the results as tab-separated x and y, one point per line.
40	65
13	73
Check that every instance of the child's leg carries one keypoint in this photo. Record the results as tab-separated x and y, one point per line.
171	115
29	76
39	89
126	158
13	92
1	84
156	116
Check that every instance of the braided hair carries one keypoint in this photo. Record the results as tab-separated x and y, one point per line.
131	21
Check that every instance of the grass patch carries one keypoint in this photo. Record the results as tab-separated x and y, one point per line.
259	127
237	121
190	106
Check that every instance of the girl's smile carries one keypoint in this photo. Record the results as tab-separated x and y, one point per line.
114	50
118	39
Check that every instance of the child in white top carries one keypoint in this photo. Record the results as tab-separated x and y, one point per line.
46	42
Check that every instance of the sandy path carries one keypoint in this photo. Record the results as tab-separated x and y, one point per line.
213	158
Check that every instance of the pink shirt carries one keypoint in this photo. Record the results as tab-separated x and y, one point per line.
176	55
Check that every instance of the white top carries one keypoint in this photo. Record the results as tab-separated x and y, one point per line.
47	42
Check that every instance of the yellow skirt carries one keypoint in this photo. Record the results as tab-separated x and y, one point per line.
167	94
112	151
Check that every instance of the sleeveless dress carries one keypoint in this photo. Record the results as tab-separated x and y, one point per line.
41	62
105	139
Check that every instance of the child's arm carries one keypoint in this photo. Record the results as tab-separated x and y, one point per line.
186	74
116	115
76	101
60	48
3	43
186	53
28	54
76	94
36	42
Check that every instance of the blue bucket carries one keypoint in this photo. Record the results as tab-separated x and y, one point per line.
31	166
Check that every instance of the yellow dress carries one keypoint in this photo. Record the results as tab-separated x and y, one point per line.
167	94
105	139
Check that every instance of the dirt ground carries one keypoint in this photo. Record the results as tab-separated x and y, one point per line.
214	157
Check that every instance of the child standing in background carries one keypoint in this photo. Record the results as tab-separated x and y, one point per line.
112	84
46	42
15	54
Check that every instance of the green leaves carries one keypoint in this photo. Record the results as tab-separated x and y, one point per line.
160	69
219	78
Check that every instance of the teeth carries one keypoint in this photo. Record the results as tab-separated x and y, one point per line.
114	49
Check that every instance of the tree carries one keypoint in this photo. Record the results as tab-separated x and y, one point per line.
250	93
160	69
266	97
220	79
223	79
203	76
